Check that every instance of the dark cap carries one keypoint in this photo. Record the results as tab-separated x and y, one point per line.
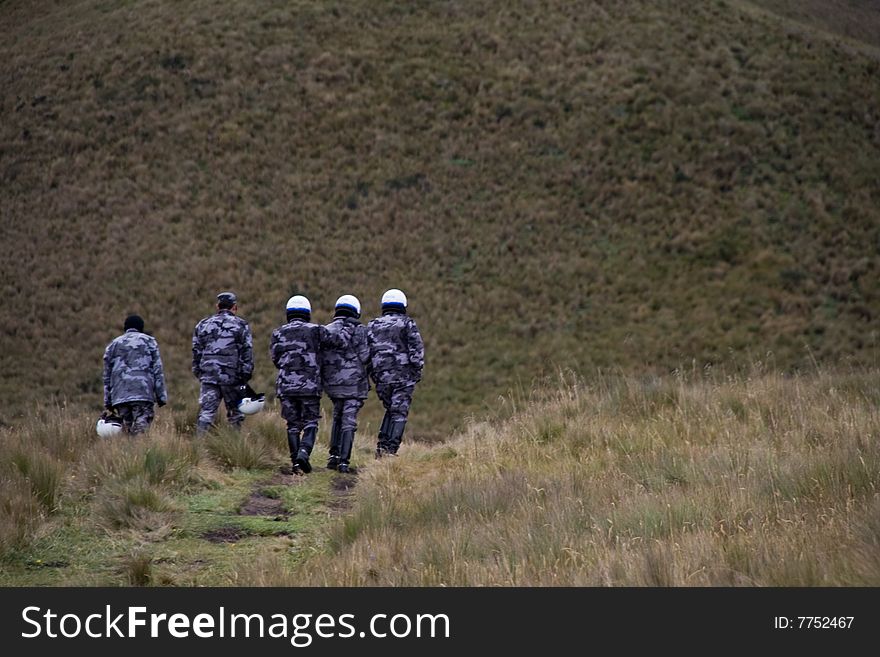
227	298
134	322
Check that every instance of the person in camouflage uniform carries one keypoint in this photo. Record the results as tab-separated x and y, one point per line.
133	377
222	360
344	371
397	357
295	349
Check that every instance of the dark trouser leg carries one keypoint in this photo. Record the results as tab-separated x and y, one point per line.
311	413
231	399
209	402
346	443
142	417
333	461
383	391
348	428
292	414
126	414
401	398
396	436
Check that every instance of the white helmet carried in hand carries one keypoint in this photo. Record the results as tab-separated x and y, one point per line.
251	405
350	302
394	297
109	426
299	303
251	402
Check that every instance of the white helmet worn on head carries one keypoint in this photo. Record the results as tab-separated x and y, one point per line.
394	297
349	301
299	302
109	426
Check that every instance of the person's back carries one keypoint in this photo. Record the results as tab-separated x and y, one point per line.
295	349
397	357
346	360
221	349
134	379
222	361
396	350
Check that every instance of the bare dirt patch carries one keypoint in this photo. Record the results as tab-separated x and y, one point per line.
225	535
282	479
260	505
342	487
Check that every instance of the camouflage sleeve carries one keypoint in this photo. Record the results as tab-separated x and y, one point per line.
416	350
336	339
323	341
108	358
362	348
246	351
158	377
273	348
197	352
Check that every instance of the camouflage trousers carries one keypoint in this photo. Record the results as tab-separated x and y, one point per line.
136	416
300	413
345	412
396	398
209	403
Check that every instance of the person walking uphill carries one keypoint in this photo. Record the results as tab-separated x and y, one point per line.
223	359
133	376
346	359
397	357
295	349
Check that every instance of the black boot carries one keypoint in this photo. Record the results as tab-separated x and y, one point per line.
346	442
305	449
333	461
396	436
384	430
293	446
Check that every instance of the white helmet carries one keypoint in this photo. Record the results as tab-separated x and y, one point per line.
109	426
349	301
251	402
299	302
251	405
394	297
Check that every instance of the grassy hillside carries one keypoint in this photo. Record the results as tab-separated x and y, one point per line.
855	19
587	184
686	480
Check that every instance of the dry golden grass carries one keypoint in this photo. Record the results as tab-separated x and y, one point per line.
760	481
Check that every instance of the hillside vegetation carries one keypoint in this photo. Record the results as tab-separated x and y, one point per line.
625	184
858	20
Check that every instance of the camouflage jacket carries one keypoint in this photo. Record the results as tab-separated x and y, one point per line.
295	349
397	353
223	349
346	359
133	370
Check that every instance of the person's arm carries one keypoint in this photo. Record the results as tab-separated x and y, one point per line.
274	352
197	352
159	376
362	347
336	339
246	354
108	367
416	349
